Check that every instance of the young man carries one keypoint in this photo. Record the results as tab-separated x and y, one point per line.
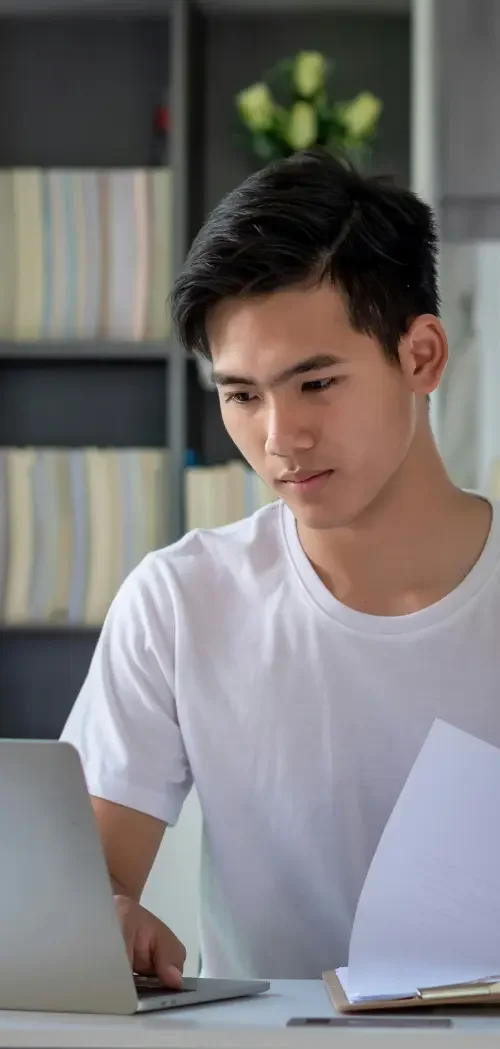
291	665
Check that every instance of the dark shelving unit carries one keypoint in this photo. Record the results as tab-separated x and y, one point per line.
80	83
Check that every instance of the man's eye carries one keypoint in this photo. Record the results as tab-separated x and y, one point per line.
319	384
240	397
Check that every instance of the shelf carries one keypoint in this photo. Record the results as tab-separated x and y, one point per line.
288	6
86	8
68	350
15	629
163	8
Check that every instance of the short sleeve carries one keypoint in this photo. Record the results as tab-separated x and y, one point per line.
124	721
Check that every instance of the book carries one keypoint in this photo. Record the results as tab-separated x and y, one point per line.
7	254
55	227
45	511
19	474
90	273
28	256
69	184
126	246
103	536
81	532
65	540
159	211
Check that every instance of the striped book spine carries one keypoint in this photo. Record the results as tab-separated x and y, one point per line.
68	188
59	249
7	254
20	463
93	262
29	276
81	551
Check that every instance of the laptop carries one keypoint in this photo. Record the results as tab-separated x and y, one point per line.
61	945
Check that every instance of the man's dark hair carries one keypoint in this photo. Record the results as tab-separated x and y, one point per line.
311	218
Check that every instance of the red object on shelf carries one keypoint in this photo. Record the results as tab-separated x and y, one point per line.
162	118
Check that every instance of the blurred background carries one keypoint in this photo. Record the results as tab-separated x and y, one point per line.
122	123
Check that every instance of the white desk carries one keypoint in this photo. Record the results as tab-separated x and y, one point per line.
256	1023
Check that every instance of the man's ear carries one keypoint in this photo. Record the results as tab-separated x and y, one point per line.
423	353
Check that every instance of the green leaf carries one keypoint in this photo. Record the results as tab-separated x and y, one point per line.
266	147
280	81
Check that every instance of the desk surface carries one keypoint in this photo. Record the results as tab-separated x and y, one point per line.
254	1023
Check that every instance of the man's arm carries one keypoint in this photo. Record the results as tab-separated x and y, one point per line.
130	840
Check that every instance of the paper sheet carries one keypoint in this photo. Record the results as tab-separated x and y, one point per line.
343	976
429	911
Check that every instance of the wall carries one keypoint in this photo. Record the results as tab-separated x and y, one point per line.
469	419
488	329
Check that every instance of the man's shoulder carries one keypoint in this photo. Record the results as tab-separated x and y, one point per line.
205	574
247	547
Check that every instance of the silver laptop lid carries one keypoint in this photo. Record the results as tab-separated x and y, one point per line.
61	946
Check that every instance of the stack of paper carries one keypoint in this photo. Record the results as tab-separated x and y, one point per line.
429	912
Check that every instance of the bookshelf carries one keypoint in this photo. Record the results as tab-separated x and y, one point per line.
82	82
81	79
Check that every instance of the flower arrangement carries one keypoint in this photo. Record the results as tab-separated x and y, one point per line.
290	110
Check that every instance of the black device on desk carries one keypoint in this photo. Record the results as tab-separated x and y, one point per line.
370	1021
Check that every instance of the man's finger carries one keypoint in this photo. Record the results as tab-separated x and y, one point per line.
169	973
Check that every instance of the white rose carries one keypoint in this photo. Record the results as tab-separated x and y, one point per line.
361	115
302	127
256	106
308	73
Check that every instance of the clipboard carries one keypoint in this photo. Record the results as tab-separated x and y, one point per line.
455	995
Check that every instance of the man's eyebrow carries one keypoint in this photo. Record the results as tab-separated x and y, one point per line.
309	364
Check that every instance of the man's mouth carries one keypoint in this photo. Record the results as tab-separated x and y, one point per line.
304	478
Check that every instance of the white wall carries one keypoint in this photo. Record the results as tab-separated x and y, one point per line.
470	401
172	888
458	407
488	332
424	132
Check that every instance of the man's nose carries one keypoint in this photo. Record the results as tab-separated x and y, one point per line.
288	431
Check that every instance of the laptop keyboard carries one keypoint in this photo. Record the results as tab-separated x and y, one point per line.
148	985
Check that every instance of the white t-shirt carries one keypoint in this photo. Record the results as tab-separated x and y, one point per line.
225	660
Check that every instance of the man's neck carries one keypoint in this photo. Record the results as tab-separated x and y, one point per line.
411	547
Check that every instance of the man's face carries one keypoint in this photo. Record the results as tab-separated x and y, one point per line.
314	407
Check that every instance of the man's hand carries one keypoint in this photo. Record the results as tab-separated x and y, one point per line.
153	950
